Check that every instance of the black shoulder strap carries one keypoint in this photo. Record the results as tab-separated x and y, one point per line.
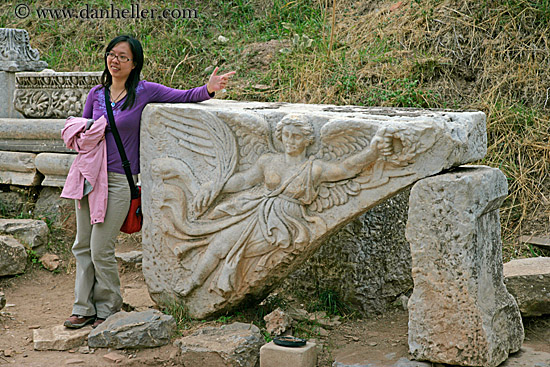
125	162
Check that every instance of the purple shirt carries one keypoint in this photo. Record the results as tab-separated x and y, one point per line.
129	120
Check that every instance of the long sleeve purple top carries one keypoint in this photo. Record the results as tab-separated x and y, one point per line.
129	120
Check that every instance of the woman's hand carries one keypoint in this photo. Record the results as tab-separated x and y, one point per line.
218	82
204	198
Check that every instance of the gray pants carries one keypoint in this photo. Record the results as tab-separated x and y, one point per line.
97	285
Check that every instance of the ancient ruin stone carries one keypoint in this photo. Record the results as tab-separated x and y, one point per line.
366	264
277	322
460	312
230	216
59	338
231	345
145	329
2	300
12	203
16	53
13	256
50	261
34	233
18	169
54	167
32	135
51	94
528	280
59	211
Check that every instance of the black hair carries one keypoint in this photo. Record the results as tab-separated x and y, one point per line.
133	79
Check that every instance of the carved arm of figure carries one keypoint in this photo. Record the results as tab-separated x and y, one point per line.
380	145
238	182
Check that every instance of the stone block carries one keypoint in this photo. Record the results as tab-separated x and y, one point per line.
54	167
13	256
230	216
50	94
277	322
16	53
7	92
13	203
32	135
145	329
18	169
528	280
136	298
460	312
236	344
59	338
59	211
34	233
273	355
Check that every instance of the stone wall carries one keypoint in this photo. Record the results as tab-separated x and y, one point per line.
366	265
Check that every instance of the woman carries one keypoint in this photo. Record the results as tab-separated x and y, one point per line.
97	285
257	230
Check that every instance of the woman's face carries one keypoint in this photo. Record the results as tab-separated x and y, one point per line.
120	70
294	140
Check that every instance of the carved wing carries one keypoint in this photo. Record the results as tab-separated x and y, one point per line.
209	138
340	139
253	136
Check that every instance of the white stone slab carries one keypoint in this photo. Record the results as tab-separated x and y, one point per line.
18	169
460	312
54	167
263	206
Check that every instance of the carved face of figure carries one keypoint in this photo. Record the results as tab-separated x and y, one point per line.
294	140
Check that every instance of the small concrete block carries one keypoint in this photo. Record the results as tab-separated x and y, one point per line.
272	355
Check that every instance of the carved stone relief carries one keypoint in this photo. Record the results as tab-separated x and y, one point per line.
50	94
16	53
239	194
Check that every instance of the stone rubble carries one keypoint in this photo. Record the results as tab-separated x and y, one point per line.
59	338
145	329
236	344
50	261
13	256
33	233
277	322
528	280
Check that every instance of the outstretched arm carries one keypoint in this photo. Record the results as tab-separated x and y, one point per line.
353	165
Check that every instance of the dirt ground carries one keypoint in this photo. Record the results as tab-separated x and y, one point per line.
42	299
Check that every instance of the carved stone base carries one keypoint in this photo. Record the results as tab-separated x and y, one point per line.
240	194
460	312
54	167
18	169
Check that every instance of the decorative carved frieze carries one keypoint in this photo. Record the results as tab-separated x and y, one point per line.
240	193
16	53
51	94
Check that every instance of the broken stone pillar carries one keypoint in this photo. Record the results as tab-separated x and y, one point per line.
32	135
460	312
55	167
18	169
51	94
528	280
15	55
239	194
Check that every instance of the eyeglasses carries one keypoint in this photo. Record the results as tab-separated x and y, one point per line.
121	58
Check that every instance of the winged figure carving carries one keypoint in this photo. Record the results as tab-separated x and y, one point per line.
256	206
